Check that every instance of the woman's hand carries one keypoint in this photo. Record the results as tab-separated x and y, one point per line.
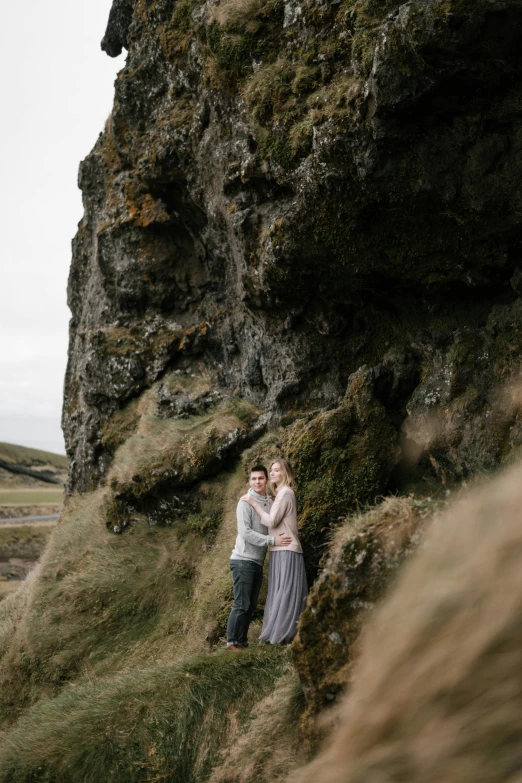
248	499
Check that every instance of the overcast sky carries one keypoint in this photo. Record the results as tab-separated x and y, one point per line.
56	93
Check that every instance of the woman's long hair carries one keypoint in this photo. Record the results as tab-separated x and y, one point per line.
288	474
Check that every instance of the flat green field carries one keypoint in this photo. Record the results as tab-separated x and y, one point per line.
29	497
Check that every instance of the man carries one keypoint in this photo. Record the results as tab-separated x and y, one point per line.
248	556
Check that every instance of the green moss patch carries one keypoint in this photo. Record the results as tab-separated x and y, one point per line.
121	425
240	32
291	82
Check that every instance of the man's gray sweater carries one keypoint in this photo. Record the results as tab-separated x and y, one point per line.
252	540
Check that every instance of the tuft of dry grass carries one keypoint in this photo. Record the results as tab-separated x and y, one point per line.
179	450
268	748
13	609
239	15
406	510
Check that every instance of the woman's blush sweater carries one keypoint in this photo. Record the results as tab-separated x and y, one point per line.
282	517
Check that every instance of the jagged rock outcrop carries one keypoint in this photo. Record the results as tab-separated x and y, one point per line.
287	191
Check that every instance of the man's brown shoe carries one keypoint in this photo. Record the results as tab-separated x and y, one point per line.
232	648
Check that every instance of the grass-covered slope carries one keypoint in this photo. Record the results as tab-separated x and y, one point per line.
111	652
26	470
111	659
101	603
163	722
111	662
112	665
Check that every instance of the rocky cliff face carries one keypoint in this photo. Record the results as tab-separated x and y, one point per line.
285	192
301	238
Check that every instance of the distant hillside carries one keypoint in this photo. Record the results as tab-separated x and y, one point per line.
23	455
25	468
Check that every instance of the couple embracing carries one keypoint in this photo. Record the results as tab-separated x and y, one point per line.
262	524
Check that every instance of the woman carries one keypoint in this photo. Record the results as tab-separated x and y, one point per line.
287	588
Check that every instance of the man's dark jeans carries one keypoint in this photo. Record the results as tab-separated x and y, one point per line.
247	577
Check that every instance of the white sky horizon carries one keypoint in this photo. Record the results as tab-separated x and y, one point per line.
57	92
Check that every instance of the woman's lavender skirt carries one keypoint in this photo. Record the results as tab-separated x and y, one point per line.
287	591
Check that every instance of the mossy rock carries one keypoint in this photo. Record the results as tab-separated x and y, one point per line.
462	419
343	459
364	556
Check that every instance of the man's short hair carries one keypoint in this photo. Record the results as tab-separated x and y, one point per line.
259	469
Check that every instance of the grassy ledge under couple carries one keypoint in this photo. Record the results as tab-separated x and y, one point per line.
263	523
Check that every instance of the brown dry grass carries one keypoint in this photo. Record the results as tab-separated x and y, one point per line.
238	15
13	609
178	447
